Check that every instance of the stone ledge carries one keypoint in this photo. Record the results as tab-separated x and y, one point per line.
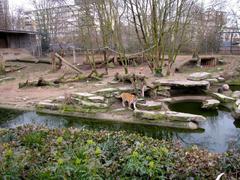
168	115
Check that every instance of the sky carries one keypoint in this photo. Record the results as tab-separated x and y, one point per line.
26	4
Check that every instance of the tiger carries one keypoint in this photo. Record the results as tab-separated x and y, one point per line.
130	99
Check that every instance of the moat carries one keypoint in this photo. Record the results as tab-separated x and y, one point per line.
219	133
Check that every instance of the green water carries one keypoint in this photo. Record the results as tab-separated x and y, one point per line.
6	115
193	108
220	130
235	87
13	119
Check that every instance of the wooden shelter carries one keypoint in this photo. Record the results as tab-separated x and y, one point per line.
21	39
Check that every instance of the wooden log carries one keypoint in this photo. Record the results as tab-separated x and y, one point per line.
131	60
68	64
80	77
12	69
39	83
129	77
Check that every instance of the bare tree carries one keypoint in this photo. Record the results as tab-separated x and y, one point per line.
17	19
47	15
168	23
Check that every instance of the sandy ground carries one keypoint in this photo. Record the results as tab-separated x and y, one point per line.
11	95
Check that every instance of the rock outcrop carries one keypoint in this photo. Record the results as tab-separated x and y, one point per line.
236	94
199	76
49	105
236	110
210	104
222	98
150	105
169	116
182	83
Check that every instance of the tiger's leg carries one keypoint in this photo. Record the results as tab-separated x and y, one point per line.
123	103
129	105
143	91
134	105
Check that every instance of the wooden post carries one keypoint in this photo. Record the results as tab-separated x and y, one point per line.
106	61
231	46
74	55
2	65
53	61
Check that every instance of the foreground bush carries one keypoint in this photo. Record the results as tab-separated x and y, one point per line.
38	153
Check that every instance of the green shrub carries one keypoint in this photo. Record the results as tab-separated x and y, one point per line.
34	139
37	153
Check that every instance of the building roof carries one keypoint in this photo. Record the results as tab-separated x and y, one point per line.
17	31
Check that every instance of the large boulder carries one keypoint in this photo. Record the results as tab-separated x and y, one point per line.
89	97
210	104
97	99
82	95
163	91
168	115
92	105
223	98
107	92
212	81
236	110
237	102
59	99
126	89
220	79
182	83
150	105
225	87
48	105
199	76
236	94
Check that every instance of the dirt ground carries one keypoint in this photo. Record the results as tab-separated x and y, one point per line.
11	95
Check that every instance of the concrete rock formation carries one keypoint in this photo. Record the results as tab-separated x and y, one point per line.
199	76
210	104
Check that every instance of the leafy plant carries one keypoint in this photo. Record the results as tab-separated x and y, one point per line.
38	153
34	139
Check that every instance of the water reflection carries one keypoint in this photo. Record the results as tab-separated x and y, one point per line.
192	107
49	121
32	118
6	115
219	132
220	129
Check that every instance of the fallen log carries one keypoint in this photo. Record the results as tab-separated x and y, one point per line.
128	78
55	83
81	77
131	60
39	83
14	69
24	60
68	64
